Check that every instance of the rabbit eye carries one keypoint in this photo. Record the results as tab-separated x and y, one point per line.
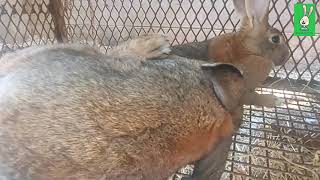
275	39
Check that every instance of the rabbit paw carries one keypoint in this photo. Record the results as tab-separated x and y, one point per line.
151	46
270	100
280	102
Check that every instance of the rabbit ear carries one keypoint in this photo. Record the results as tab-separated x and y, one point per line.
304	10
310	11
228	83
257	11
240	7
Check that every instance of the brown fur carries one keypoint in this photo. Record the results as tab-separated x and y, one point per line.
69	113
252	51
249	49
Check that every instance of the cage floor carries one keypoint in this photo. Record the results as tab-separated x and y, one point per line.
276	143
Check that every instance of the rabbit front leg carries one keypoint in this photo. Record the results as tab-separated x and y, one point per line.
268	100
193	50
212	165
145	47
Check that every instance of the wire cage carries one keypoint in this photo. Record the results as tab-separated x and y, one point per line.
273	143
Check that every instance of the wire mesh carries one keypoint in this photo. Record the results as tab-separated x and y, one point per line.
283	141
267	145
24	23
104	23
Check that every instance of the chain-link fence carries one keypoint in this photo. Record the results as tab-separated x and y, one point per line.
104	23
268	144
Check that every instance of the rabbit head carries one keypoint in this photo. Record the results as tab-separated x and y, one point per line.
304	21
256	35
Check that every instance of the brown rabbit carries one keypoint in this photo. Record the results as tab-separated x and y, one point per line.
70	112
254	49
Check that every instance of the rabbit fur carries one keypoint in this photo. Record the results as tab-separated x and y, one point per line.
254	49
69	112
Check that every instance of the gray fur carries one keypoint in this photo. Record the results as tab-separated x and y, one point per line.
66	113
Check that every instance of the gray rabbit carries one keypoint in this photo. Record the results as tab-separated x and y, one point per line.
69	112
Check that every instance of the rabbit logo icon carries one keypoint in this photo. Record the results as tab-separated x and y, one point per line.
304	20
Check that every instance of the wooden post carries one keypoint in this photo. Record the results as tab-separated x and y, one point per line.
56	9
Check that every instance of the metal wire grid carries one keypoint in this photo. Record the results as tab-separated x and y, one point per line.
111	21
104	23
24	23
278	143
